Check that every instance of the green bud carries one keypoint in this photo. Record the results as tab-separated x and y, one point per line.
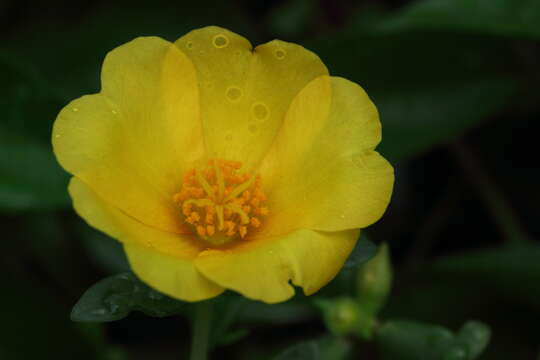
475	335
343	316
374	281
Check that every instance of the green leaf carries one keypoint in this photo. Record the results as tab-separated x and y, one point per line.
362	253
514	271
115	297
325	348
427	92
408	340
30	178
501	17
374	281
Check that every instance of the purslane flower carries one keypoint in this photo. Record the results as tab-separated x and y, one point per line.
219	166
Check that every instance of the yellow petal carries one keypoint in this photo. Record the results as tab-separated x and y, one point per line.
132	142
245	93
163	260
262	269
322	172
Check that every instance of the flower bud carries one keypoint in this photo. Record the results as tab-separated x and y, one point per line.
343	316
374	281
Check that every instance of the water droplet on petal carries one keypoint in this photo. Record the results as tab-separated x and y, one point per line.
220	41
154	295
189	44
114	112
75	109
280	54
252	128
57	136
234	93
99	312
260	111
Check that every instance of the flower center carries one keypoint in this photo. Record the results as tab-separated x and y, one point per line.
220	203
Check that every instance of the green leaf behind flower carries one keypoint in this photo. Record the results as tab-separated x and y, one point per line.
408	340
362	253
501	17
115	297
429	87
30	177
513	272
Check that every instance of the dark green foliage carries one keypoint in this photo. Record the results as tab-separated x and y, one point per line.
501	17
115	297
407	340
362	252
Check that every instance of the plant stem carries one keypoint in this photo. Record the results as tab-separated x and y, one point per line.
201	331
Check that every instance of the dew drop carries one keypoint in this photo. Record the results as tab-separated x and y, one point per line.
189	45
114	112
260	111
252	128
280	54
220	41
57	136
75	109
154	295
234	93
99	311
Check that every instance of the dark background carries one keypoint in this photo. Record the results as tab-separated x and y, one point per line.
457	86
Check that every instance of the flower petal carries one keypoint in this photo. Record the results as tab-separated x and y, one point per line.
262	269
245	93
132	142
161	259
322	172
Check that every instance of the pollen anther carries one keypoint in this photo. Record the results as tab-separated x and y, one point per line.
220	202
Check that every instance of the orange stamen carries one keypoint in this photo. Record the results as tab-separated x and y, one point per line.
222	203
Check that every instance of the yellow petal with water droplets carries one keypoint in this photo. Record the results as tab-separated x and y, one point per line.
132	142
262	269
322	172
161	259
245	92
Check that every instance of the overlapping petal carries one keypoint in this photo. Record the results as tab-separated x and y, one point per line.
263	269
163	260
322	172
245	92
132	142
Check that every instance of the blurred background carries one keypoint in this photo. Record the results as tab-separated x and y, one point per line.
457	86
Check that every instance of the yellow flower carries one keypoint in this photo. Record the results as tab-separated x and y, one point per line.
219	166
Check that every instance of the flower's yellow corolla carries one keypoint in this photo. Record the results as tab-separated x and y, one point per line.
219	166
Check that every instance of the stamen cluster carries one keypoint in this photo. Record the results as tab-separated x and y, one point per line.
220	202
